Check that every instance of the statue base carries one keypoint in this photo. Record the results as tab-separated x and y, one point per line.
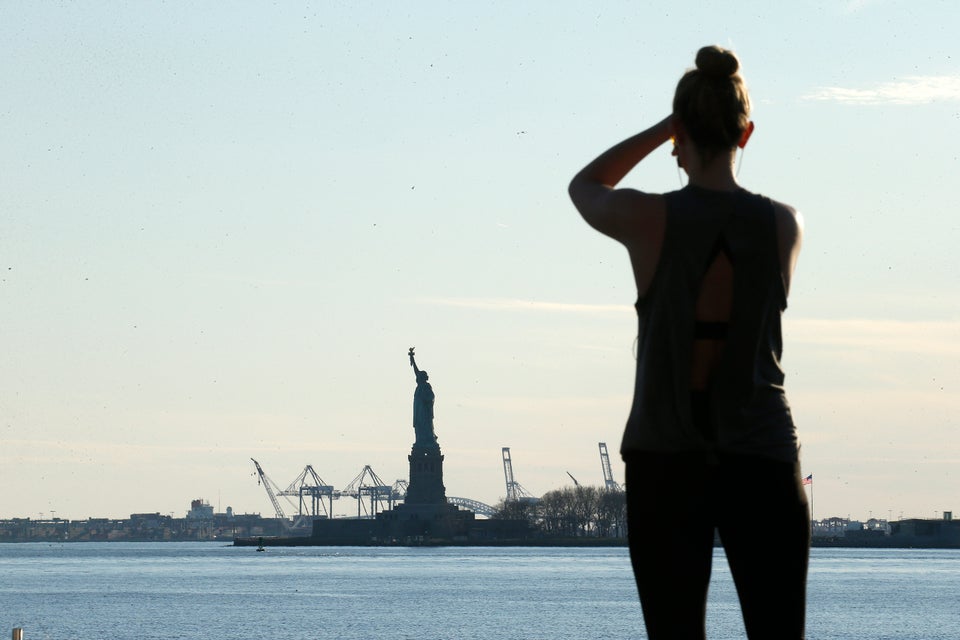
426	476
425	513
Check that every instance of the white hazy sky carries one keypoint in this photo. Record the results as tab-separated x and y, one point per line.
223	225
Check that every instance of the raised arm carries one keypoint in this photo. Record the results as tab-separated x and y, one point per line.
413	363
612	211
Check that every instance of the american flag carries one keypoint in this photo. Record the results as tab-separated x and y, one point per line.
808	480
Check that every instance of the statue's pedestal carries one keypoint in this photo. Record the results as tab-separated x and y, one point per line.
425	513
426	476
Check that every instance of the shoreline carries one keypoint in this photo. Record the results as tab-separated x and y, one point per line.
816	543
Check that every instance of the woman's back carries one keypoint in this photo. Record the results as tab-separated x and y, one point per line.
710	322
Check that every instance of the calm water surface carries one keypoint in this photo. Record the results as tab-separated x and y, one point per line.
208	590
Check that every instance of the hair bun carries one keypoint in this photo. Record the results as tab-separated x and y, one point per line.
717	62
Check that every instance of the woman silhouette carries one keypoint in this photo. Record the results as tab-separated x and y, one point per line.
710	444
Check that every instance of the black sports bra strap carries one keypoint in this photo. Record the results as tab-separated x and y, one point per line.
710	330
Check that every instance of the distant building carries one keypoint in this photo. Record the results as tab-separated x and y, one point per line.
200	510
934	534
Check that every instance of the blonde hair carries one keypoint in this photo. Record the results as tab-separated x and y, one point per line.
712	103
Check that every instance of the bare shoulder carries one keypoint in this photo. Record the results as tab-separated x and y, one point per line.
789	221
789	224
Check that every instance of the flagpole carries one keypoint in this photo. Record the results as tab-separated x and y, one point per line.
811	499
809	481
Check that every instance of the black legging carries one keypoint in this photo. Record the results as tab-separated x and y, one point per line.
758	506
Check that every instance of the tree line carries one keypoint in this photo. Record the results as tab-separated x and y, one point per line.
571	512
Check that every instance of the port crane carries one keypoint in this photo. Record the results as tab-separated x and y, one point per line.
273	491
271	488
608	480
315	497
299	487
515	492
309	486
368	484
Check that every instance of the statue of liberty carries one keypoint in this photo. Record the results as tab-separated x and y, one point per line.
423	399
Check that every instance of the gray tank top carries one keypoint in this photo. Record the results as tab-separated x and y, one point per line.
745	405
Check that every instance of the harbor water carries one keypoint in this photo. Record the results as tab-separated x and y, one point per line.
213	590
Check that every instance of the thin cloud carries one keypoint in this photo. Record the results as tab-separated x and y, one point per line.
878	335
512	304
911	90
927	337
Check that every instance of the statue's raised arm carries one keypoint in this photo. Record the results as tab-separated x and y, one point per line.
413	363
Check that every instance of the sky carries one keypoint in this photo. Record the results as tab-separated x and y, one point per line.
222	226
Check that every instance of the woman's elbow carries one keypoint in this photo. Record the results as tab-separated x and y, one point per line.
582	194
573	189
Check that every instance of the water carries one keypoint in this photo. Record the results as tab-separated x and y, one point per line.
208	590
